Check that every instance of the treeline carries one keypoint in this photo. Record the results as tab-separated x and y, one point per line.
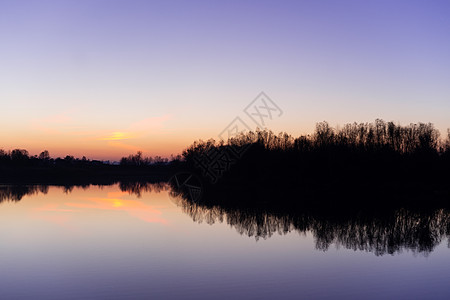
375	158
21	157
18	166
359	159
139	160
379	136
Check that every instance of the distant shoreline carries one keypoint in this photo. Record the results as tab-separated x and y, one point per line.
380	161
104	174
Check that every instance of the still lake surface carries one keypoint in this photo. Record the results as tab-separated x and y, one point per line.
108	242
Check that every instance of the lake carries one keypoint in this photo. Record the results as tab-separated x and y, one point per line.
128	242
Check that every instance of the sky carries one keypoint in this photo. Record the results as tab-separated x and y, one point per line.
106	78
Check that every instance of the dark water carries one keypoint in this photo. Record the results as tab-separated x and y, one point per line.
116	242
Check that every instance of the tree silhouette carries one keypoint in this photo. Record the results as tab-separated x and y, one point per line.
379	158
44	156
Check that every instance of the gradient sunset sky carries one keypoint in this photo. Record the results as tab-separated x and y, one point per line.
106	78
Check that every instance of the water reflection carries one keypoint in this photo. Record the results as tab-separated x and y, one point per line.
386	231
380	232
60	212
137	188
17	192
115	201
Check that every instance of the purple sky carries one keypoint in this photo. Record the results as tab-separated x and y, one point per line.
73	74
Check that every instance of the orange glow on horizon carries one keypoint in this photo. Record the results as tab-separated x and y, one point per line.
64	134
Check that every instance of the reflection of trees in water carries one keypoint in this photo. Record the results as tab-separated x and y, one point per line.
137	188
382	233
17	192
246	222
390	233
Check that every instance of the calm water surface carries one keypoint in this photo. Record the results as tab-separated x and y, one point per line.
105	243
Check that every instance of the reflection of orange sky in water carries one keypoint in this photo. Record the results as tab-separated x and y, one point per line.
112	202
